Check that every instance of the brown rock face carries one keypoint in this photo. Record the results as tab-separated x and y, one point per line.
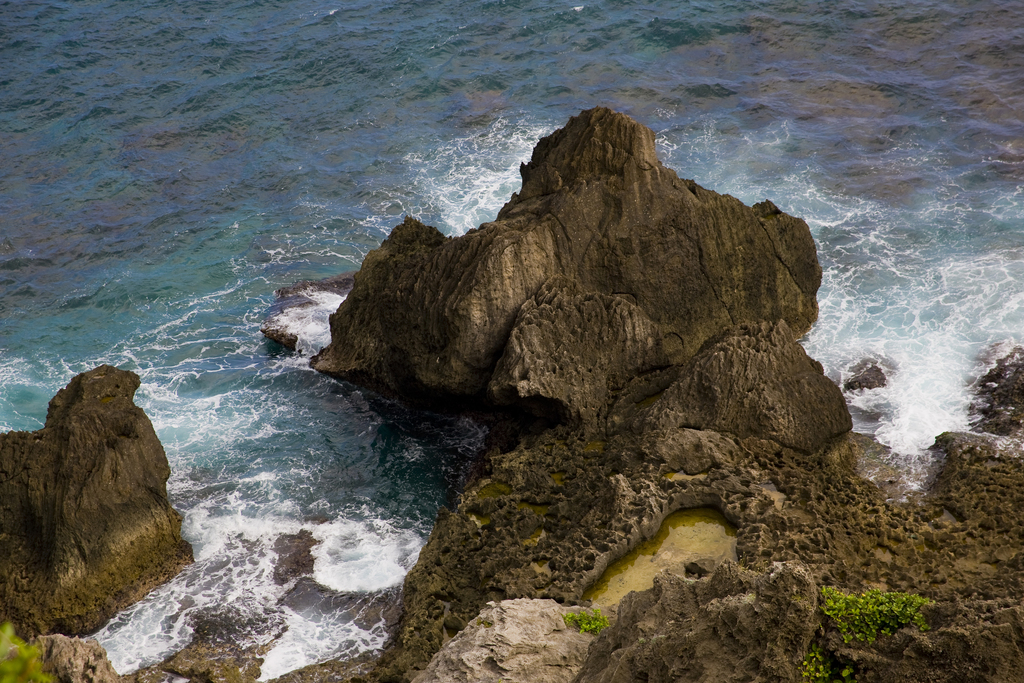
85	525
757	381
600	220
1000	402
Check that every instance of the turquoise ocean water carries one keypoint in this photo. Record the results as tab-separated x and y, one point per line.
164	166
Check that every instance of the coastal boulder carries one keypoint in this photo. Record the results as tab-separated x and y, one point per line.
85	525
431	318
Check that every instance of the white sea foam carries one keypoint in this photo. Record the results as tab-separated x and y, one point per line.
363	555
309	322
234	568
466	180
314	636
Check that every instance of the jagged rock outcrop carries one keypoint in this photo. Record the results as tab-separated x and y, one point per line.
598	219
75	660
514	641
999	405
85	524
756	381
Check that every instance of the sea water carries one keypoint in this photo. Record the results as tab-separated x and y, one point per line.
164	166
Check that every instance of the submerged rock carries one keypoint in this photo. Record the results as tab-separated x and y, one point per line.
295	556
865	375
85	525
295	304
604	255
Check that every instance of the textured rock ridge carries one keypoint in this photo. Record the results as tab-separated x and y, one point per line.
598	219
735	625
85	523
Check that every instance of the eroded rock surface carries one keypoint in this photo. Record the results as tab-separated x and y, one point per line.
598	218
75	660
734	625
514	641
757	381
85	525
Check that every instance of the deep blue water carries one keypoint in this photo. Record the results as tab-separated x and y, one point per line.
164	166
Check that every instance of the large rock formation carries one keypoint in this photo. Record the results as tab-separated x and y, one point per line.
85	524
642	332
629	266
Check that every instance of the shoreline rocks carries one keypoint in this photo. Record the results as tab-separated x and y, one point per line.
85	524
638	333
514	641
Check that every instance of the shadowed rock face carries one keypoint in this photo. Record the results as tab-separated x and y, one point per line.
757	381
601	233
85	524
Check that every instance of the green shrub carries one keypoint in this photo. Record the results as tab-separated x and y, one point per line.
821	667
591	622
19	663
872	613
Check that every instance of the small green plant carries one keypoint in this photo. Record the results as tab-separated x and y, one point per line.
587	622
19	663
872	613
821	667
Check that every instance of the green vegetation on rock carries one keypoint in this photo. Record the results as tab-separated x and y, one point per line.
587	622
872	613
821	667
19	663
